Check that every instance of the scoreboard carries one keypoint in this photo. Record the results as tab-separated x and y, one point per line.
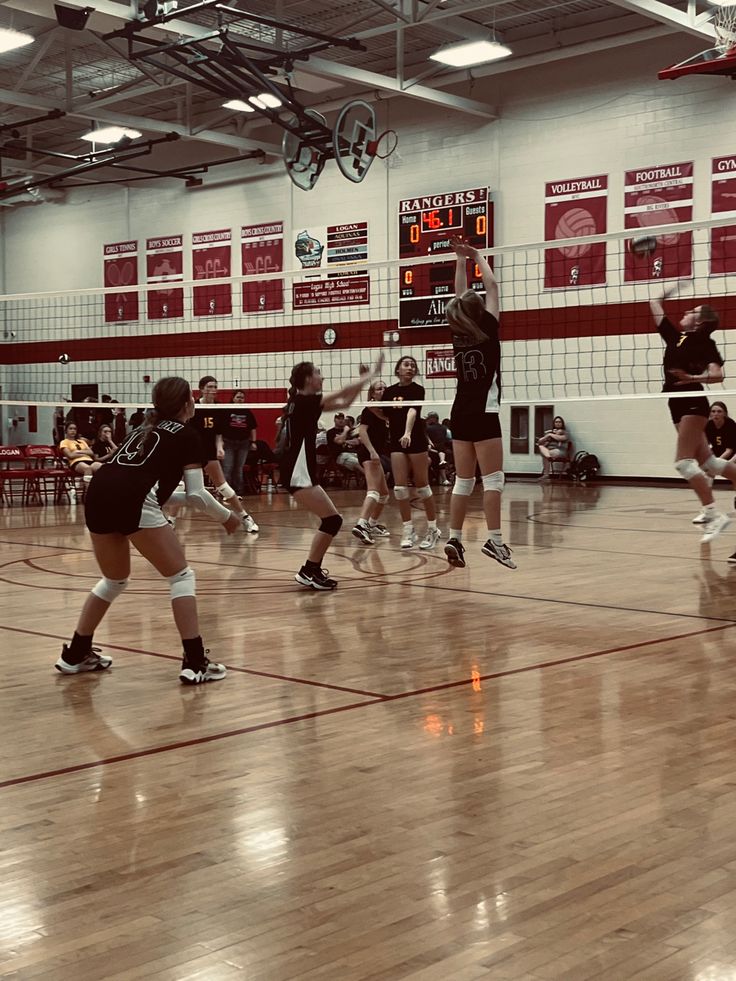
426	225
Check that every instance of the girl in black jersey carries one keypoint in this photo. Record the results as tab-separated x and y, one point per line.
373	435
691	358
476	430
409	451
123	507
298	443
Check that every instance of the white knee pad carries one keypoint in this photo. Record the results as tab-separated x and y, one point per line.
109	589
183	584
383	498
688	469
463	486
423	492
714	465
494	481
401	493
374	496
226	491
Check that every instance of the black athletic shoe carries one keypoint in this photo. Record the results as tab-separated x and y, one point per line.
455	553
501	553
362	533
93	662
319	580
205	670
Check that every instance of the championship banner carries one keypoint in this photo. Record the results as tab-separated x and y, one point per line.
165	264
573	208
120	267
262	251
211	259
332	246
723	205
660	195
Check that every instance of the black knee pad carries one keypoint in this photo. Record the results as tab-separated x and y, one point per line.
331	525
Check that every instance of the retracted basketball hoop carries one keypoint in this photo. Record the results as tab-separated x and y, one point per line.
718	60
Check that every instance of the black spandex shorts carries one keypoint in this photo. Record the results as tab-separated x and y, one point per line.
474	429
417	445
695	406
364	455
73	466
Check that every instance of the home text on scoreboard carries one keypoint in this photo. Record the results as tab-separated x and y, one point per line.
426	225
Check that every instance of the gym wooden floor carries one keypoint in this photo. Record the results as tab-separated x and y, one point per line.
430	774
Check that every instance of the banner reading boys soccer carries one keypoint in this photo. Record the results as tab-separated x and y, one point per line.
262	251
661	195
120	268
211	259
573	208
723	205
165	264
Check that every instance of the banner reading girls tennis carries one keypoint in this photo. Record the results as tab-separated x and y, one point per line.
661	195
165	264
262	251
723	205
211	259
573	208
120	268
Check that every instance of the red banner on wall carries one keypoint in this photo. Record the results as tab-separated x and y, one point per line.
440	364
165	264
661	195
262	251
120	266
211	259
573	208
723	205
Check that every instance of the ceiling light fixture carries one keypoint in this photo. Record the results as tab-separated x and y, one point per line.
237	105
10	39
469	53
111	134
265	101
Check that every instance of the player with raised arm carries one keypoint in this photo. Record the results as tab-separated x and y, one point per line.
123	508
691	359
476	429
299	459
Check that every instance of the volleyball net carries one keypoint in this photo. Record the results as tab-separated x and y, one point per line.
575	322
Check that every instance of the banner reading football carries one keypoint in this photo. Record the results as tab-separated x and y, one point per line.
165	264
262	251
653	196
573	208
723	205
211	260
120	268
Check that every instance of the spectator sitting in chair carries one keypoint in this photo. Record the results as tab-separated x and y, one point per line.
347	443
78	453
554	445
104	448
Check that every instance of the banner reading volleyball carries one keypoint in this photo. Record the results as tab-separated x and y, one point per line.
211	259
723	205
262	251
120	268
661	195
165	264
573	208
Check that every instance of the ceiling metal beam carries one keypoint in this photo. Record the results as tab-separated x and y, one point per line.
662	12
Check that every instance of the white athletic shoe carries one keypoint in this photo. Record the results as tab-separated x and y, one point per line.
501	553
206	671
249	524
409	539
715	527
701	519
432	537
93	662
379	531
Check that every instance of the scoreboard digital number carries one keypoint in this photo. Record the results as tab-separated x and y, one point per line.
426	225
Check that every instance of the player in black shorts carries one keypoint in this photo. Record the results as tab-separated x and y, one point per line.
373	435
123	507
474	422
298	445
409	451
691	358
212	423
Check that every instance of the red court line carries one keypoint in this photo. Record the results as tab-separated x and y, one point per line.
177	657
382	700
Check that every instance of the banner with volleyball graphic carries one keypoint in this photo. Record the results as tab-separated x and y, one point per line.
573	208
660	195
723	205
120	269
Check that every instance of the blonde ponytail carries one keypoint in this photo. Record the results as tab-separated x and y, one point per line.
463	315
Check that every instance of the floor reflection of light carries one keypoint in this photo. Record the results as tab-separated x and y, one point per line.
264	844
478	726
475	677
434	725
716	973
502	905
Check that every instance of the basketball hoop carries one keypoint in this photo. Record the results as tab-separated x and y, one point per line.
724	22
304	162
355	139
